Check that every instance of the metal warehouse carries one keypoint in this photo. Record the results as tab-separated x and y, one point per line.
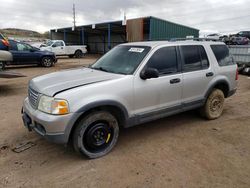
101	37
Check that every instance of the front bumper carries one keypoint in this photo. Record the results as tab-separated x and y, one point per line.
53	128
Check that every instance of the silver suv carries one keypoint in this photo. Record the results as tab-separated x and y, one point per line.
132	84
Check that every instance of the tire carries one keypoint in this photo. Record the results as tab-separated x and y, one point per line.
2	66
47	62
214	105
96	134
78	54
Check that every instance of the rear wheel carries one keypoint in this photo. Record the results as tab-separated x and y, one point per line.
214	105
96	134
47	62
2	66
78	54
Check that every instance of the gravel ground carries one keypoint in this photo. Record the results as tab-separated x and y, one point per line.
179	151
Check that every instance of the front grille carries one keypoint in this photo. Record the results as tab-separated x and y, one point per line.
33	98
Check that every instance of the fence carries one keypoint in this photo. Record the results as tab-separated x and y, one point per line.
241	54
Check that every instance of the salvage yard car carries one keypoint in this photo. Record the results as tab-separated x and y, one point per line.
24	54
5	57
132	84
60	49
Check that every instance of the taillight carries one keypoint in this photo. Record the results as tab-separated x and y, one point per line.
237	75
5	42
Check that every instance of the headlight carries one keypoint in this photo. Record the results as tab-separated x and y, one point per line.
53	106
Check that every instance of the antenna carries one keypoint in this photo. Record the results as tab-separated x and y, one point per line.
74	16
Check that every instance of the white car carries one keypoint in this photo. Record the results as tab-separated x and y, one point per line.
60	49
213	36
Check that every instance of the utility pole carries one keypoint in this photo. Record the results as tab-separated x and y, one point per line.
74	16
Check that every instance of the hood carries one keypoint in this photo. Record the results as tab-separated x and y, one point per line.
45	52
54	83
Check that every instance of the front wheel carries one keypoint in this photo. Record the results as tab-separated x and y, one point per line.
214	105
47	62
96	134
2	66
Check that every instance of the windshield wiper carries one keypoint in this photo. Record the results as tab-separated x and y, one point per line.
100	68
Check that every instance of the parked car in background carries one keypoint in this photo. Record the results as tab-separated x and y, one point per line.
5	57
133	83
213	36
234	40
61	49
4	43
244	34
24	54
225	39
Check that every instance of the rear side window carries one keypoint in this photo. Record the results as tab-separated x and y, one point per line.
222	55
195	58
164	60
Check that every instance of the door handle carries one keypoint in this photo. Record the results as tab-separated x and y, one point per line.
209	74
175	81
61	47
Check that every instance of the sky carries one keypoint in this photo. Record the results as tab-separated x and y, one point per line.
209	16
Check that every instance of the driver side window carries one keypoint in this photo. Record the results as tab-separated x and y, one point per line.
164	60
22	47
57	44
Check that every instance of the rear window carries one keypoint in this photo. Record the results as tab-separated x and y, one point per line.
222	55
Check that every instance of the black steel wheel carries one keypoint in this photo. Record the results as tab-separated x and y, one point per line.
96	134
47	62
78	54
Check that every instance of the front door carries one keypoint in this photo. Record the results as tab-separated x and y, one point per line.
157	97
22	54
58	48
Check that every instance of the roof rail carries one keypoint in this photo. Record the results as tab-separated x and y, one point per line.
194	39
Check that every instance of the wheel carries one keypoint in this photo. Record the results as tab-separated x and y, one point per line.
2	66
96	134
214	105
78	54
47	62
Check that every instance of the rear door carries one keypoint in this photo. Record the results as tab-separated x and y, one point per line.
197	73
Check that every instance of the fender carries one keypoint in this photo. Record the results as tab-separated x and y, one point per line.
213	85
90	106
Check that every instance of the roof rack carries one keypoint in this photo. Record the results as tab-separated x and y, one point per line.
193	39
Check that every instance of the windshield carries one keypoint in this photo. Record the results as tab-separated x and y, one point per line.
49	43
122	59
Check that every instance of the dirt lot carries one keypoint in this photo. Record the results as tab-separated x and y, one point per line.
179	151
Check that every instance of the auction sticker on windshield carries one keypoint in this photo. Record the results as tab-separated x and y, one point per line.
138	50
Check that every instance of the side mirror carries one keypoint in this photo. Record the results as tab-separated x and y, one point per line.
149	73
32	50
